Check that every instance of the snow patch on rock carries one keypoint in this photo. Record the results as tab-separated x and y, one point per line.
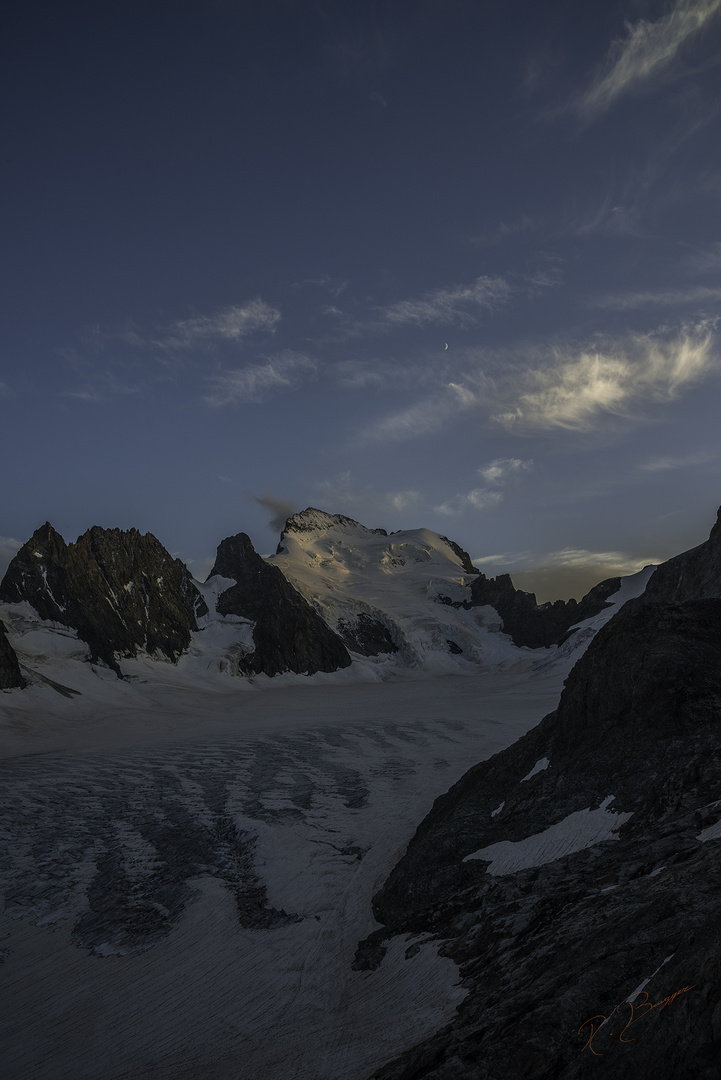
540	765
578	831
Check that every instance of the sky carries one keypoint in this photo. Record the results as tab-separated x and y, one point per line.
452	265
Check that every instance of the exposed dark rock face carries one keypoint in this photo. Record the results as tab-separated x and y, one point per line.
691	576
537	625
122	591
10	676
544	949
462	555
366	635
38	574
288	634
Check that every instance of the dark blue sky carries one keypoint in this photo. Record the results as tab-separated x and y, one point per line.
239	236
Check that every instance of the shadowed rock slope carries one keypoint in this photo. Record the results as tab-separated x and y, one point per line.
558	924
10	676
288	635
120	590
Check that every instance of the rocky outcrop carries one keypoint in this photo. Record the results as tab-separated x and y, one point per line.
537	625
583	864
463	555
691	576
288	635
120	590
10	676
366	635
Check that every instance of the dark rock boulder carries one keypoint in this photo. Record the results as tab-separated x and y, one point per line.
537	625
551	951
288	634
120	590
10	675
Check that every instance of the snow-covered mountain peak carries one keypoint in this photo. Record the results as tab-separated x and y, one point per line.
382	592
313	520
333	549
314	534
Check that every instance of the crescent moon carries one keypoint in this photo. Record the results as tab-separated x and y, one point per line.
446	347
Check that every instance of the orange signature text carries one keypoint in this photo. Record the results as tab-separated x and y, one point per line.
639	1007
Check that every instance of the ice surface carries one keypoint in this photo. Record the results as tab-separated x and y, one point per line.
327	777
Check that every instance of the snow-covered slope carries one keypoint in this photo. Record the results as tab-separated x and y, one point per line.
381	593
399	602
387	596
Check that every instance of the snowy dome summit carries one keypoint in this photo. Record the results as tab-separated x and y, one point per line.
388	594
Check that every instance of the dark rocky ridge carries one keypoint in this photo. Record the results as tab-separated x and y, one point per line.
288	634
120	590
691	576
462	555
537	625
544	949
10	676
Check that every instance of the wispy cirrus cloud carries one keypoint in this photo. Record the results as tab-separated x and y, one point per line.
554	575
230	324
500	470
568	557
496	475
517	227
101	385
255	382
455	305
665	463
477	499
645	56
343	492
663	298
705	260
423	417
359	374
576	390
335	286
460	306
561	387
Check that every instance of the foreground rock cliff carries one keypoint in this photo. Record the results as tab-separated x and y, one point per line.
575	877
120	590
